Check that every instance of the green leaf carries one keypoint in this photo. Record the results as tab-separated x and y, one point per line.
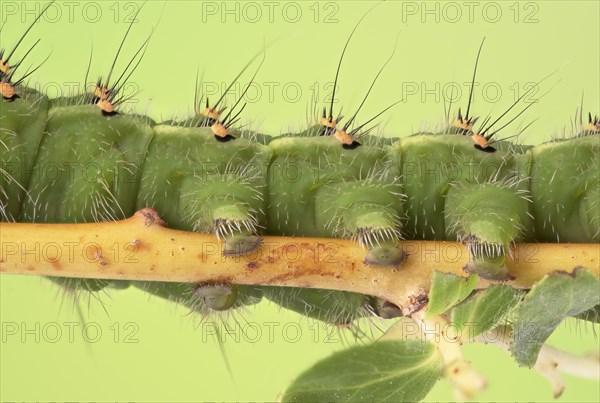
551	300
386	371
484	310
591	315
448	290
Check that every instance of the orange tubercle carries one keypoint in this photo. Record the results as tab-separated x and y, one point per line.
343	137
106	106
219	130
463	124
211	113
4	67
330	123
594	126
100	92
480	140
7	90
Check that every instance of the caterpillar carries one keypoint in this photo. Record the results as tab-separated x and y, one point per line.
236	184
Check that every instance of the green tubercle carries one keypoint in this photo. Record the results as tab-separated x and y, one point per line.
489	217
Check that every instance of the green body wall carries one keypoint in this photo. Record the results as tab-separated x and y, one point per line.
78	166
435	165
316	186
188	174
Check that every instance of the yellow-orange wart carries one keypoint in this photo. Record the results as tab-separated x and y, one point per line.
106	106
7	90
219	130
100	92
480	140
463	124
5	68
594	125
102	99
343	137
328	122
212	113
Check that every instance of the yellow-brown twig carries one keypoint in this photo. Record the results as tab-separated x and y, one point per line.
141	248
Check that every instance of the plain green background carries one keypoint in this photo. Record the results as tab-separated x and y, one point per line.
146	350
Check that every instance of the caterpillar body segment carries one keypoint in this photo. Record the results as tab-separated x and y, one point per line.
489	218
95	162
199	183
22	125
565	188
456	191
346	193
432	163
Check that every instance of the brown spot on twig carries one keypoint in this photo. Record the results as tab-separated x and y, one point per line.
284	277
415	303
150	217
252	265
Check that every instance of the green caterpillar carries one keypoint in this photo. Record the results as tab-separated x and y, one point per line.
203	174
83	158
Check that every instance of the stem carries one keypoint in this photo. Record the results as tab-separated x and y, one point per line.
141	248
467	382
